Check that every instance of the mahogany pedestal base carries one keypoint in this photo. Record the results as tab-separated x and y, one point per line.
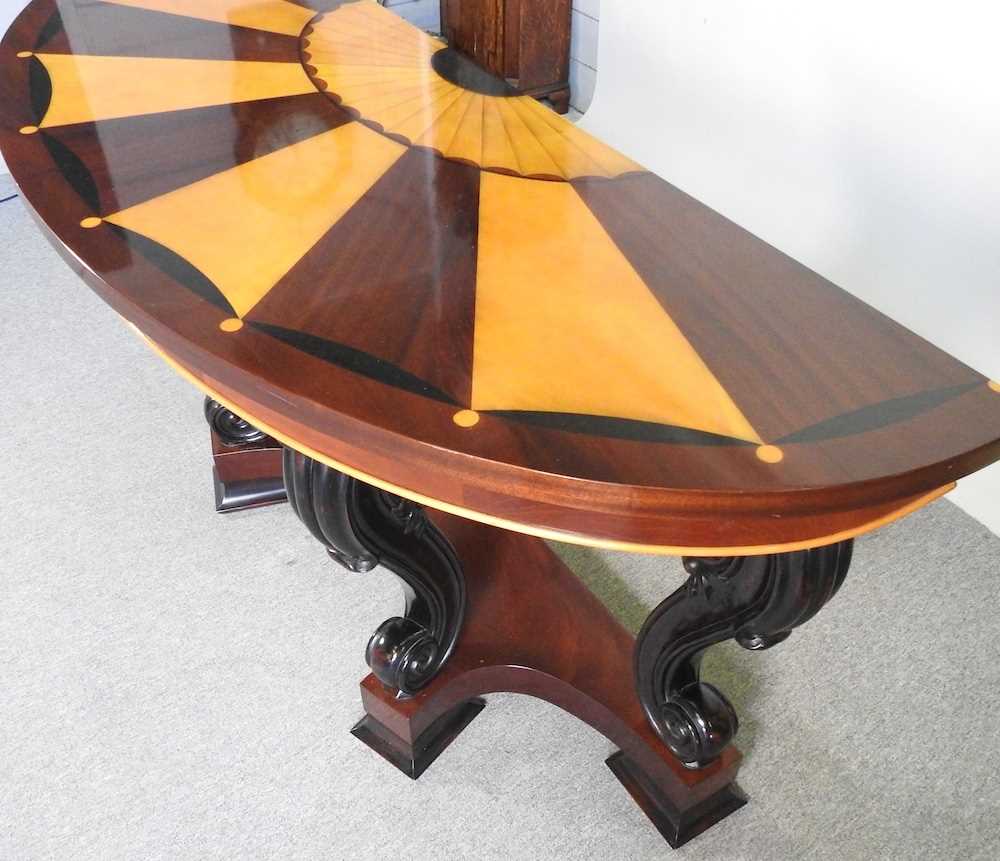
532	627
488	610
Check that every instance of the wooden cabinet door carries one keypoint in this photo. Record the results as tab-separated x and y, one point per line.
524	41
542	39
476	27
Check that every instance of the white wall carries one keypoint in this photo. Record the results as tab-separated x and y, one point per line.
425	14
861	138
583	52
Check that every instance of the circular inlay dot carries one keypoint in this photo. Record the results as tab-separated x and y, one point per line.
466	418
25	54
232	324
993	384
28	130
90	221
770	454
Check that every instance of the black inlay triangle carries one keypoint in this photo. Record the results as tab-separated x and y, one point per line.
392	283
74	171
175	266
879	415
40	88
52	26
355	360
618	428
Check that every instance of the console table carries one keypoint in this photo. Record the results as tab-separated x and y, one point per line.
448	324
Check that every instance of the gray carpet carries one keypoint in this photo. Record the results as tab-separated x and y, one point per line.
177	684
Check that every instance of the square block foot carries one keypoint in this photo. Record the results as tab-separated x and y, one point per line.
414	759
676	827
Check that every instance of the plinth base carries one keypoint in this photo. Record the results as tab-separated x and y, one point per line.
413	758
533	628
530	627
676	827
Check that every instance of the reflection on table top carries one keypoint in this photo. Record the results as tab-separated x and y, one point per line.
407	267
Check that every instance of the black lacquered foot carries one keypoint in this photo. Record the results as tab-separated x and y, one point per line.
676	827
414	759
250	493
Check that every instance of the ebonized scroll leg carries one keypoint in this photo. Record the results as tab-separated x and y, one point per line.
231	428
361	527
757	601
246	462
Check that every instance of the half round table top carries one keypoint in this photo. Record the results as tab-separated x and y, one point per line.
395	263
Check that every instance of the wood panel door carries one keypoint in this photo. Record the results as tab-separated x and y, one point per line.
476	27
524	41
537	44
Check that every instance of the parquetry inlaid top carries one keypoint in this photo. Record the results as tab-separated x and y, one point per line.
395	261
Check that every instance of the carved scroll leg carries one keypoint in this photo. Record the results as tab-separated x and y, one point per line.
319	496
231	428
757	601
246	462
361	527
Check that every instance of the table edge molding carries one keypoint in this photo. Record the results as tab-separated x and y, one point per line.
908	507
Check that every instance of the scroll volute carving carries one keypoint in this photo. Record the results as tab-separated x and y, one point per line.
756	600
362	527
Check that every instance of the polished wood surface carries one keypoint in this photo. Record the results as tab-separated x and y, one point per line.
469	300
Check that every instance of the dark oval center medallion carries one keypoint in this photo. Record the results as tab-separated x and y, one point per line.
461	71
